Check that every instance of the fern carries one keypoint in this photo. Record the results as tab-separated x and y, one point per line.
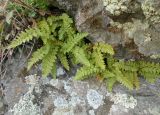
25	36
104	48
110	82
64	60
58	36
80	56
38	55
98	59
60	40
85	72
72	41
48	61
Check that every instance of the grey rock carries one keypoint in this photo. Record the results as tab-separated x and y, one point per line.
106	20
69	97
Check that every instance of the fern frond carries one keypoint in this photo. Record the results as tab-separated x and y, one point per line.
71	42
110	82
149	67
64	61
49	61
25	36
98	59
52	20
150	70
80	56
136	81
108	74
45	30
110	62
85	72
38	55
54	71
128	66
123	79
104	48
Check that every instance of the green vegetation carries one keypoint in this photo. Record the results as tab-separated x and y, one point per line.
59	40
62	42
28	7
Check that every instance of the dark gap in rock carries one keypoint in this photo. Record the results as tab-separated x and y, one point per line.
55	10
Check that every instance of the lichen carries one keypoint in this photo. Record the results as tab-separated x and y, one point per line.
60	102
116	7
124	100
25	106
150	12
94	98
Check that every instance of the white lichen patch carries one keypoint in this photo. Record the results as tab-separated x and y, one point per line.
94	98
124	100
54	82
150	12
25	106
61	102
32	79
116	7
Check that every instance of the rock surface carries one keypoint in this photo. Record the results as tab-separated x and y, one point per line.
24	93
46	96
118	21
130	23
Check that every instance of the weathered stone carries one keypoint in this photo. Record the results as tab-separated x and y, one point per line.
94	99
114	21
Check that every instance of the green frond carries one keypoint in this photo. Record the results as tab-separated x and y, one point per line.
38	55
110	82
85	72
98	59
71	42
64	60
45	30
54	71
150	70
66	19
110	62
128	66
25	36
104	48
108	74
52	20
136	81
123	79
80	56
150	77
49	61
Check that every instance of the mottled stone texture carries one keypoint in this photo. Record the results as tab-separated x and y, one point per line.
118	21
68	97
34	95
